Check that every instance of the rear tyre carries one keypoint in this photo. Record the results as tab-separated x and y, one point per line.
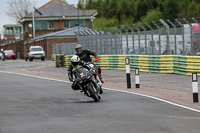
93	94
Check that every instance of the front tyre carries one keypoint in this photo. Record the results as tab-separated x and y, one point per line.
93	94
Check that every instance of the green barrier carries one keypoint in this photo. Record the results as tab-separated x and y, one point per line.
60	61
113	62
57	61
133	62
154	63
147	63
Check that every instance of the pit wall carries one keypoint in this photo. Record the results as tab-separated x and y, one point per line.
185	65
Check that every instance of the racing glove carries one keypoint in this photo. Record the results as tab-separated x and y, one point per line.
96	59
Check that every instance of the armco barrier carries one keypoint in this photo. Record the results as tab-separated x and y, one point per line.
146	63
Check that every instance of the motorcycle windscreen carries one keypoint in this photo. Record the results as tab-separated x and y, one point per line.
82	73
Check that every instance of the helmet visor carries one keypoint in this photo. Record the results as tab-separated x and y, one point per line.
79	50
75	64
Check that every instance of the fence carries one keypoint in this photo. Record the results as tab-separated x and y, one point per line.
184	40
64	48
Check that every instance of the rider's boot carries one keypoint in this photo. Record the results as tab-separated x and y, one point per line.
102	80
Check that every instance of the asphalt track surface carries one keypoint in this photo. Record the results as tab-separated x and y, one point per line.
35	105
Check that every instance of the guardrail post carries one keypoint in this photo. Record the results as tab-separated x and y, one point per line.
152	50
191	37
174	26
127	49
116	44
159	36
138	36
168	50
111	41
137	78
183	39
132	31
121	46
128	75
195	87
145	32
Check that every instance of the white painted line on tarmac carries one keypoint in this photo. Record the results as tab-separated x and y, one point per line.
175	104
185	107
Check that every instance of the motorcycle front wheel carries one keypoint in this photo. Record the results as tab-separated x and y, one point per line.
93	94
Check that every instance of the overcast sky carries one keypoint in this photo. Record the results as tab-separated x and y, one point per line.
6	20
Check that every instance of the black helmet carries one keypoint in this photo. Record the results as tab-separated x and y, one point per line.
78	48
75	60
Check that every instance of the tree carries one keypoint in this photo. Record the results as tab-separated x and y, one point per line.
170	10
91	4
153	15
80	6
192	10
18	8
83	2
183	5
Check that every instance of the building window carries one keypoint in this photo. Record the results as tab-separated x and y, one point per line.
80	22
66	24
9	30
26	27
51	25
17	30
41	25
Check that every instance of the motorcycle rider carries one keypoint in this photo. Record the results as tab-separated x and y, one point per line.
85	56
75	63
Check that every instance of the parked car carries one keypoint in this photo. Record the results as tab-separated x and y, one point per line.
9	54
35	52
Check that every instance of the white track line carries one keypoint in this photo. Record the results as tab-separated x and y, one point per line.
175	104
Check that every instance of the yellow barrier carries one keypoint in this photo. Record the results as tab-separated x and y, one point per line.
162	64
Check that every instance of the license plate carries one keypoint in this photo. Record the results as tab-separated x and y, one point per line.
37	56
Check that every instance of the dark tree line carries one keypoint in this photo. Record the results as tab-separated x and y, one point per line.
121	12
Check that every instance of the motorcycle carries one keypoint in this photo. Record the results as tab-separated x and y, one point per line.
87	82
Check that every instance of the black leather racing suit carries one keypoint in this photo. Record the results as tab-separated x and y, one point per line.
85	56
72	71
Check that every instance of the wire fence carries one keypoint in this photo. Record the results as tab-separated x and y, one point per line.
162	41
64	48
